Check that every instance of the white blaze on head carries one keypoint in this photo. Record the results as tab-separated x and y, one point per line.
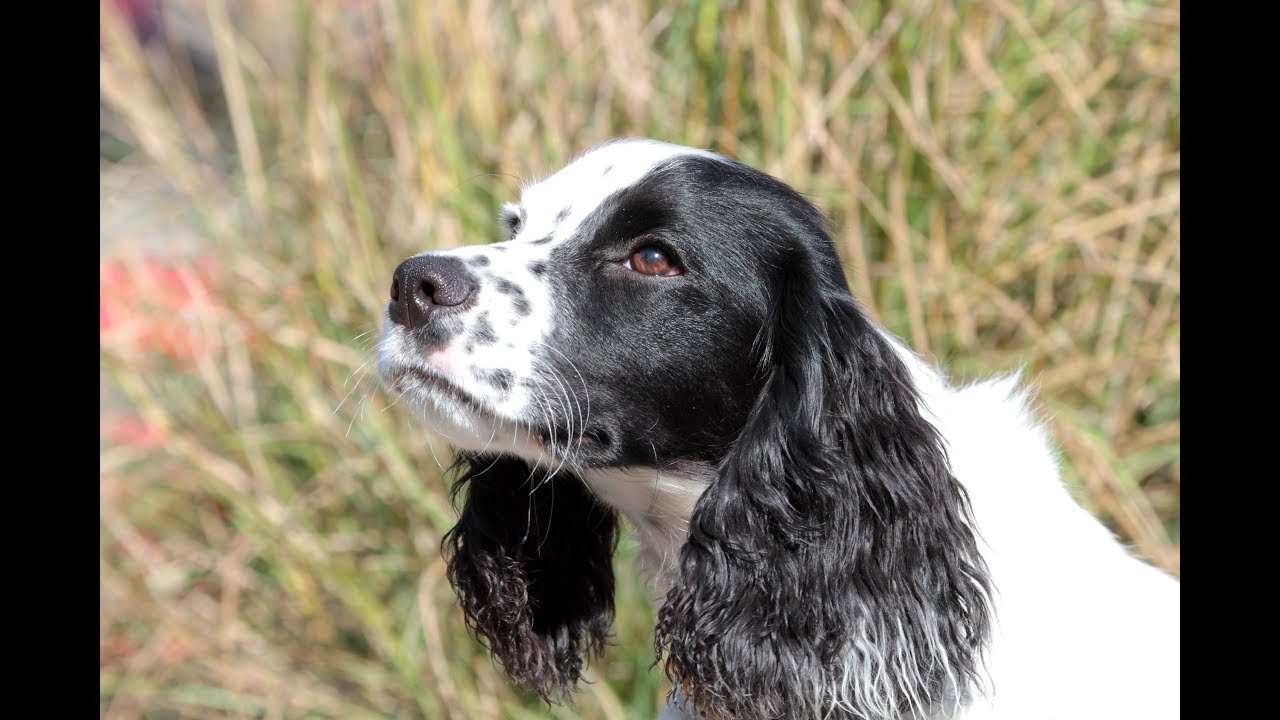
556	206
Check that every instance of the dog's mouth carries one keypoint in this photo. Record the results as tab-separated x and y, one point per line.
556	438
405	379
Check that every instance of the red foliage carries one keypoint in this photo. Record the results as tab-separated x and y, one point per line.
147	313
131	430
149	308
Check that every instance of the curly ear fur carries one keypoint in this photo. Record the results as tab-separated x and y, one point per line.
831	570
536	588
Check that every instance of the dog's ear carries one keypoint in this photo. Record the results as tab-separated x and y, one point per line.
535	581
831	569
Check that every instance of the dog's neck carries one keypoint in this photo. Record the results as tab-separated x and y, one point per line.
658	504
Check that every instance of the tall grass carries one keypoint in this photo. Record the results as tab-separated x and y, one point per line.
1002	178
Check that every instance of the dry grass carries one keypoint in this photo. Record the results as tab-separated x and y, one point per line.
1002	177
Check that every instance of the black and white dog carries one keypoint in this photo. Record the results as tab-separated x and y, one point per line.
829	529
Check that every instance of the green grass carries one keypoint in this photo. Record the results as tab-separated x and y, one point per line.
1002	179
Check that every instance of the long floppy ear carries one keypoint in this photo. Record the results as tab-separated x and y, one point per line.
831	569
531	562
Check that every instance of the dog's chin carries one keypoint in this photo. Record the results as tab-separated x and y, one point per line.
459	418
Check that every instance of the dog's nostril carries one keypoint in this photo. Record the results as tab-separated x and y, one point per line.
426	284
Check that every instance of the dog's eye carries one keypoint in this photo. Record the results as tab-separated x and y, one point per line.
649	260
512	219
511	225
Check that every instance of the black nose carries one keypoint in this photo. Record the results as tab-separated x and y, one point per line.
428	284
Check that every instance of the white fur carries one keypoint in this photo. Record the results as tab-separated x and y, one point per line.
1083	629
587	181
658	504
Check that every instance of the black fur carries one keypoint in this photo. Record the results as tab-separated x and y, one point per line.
531	561
665	361
483	332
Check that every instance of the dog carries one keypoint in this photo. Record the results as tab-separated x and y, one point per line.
828	527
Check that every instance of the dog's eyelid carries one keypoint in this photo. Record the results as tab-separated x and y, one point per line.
654	240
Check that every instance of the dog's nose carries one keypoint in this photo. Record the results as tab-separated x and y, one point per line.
428	284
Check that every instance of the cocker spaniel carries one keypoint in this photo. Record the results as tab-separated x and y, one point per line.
829	528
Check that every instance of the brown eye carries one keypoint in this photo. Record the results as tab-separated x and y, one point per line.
650	260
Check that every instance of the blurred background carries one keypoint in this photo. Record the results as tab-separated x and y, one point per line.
1002	178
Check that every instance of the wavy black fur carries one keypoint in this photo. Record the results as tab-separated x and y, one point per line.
535	581
831	569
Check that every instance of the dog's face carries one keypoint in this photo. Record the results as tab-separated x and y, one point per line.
613	327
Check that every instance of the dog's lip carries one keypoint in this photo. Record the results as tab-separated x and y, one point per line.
430	381
433	380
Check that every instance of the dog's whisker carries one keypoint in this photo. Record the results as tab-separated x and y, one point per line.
363	369
358	413
563	397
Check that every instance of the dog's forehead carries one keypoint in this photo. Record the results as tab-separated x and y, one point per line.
553	208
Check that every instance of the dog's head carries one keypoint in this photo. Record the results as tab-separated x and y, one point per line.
613	324
658	321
